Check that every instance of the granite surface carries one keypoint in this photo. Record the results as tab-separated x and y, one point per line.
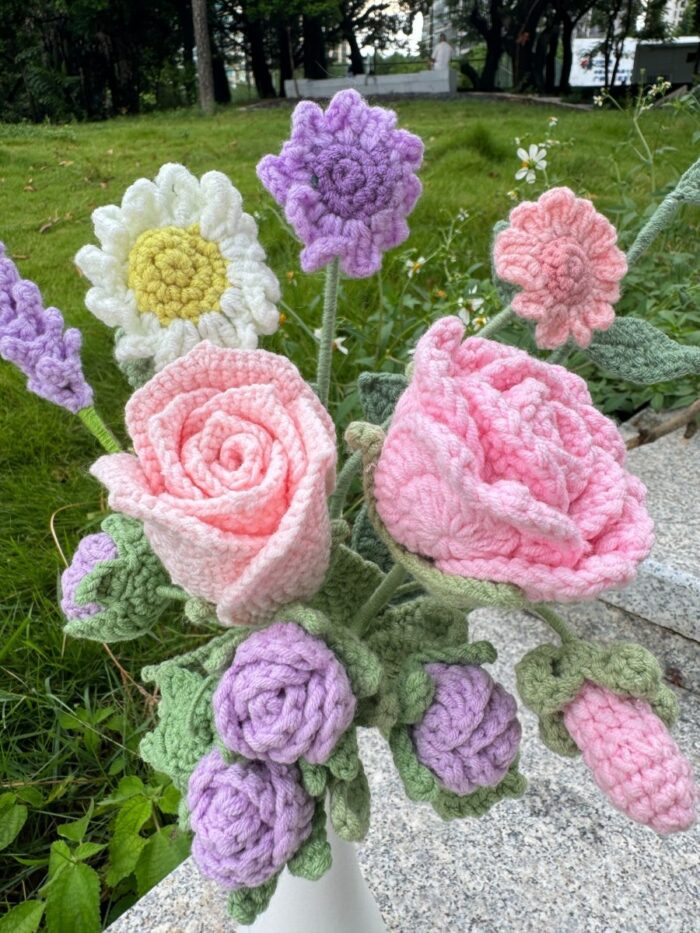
667	588
559	860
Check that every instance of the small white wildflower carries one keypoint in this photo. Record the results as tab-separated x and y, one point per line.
463	315
553	121
532	160
462	215
338	343
413	266
599	99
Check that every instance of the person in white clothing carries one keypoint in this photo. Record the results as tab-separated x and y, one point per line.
442	54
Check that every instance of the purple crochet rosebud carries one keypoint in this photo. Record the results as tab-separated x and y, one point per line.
32	337
249	818
470	734
92	550
346	181
286	695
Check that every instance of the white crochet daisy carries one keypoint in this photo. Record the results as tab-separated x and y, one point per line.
179	262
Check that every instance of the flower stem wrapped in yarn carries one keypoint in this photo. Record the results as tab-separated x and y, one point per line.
285	696
634	760
249	818
111	590
33	338
346	179
470	734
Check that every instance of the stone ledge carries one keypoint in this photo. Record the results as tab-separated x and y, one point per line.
418	82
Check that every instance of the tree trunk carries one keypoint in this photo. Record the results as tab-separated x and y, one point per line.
314	48
491	31
258	61
567	32
222	89
357	65
205	73
550	68
284	46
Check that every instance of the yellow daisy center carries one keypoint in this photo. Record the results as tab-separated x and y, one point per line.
175	273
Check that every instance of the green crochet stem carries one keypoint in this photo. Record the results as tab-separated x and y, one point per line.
325	352
554	621
661	218
351	468
99	429
381	596
559	355
496	323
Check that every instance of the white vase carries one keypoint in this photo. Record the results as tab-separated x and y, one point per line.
340	902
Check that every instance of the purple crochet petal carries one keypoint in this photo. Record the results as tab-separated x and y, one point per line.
32	338
92	550
339	171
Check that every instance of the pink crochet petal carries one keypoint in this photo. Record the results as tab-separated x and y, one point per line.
497	466
235	459
634	760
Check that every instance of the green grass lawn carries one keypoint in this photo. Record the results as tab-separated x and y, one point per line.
51	178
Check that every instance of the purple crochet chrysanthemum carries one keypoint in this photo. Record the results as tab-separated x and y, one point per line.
32	337
470	734
346	181
285	695
249	818
92	550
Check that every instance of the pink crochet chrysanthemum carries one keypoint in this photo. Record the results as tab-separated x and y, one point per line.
563	255
634	760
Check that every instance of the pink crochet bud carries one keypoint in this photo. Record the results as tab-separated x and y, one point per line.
634	760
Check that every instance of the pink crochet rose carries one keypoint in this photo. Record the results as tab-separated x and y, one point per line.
562	253
498	467
634	760
235	456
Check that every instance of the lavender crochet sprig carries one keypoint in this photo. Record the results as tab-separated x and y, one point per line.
35	340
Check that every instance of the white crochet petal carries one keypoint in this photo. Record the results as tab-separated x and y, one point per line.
221	207
112	231
113	308
174	341
101	268
225	332
181	194
135	347
143	207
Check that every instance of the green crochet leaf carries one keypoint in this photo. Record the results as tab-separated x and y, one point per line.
349	582
551	676
246	904
367	544
633	349
362	665
313	777
185	731
421	784
344	763
314	857
379	393
455	592
688	187
350	807
127	587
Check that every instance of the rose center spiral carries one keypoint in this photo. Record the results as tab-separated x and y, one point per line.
353	182
567	270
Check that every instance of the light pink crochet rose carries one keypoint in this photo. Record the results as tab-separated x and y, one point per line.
498	467
562	253
235	456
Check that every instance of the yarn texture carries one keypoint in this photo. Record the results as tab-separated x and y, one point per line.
634	349
92	550
234	458
248	819
179	262
497	466
563	255
634	760
285	696
33	338
346	181
470	734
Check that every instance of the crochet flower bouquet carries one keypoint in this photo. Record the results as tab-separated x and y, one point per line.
489	480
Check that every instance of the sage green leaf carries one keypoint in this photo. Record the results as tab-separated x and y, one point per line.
367	543
635	350
344	763
314	857
163	852
349	582
313	777
127	587
12	818
455	592
379	393
73	900
688	187
185	731
350	807
247	903
24	918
